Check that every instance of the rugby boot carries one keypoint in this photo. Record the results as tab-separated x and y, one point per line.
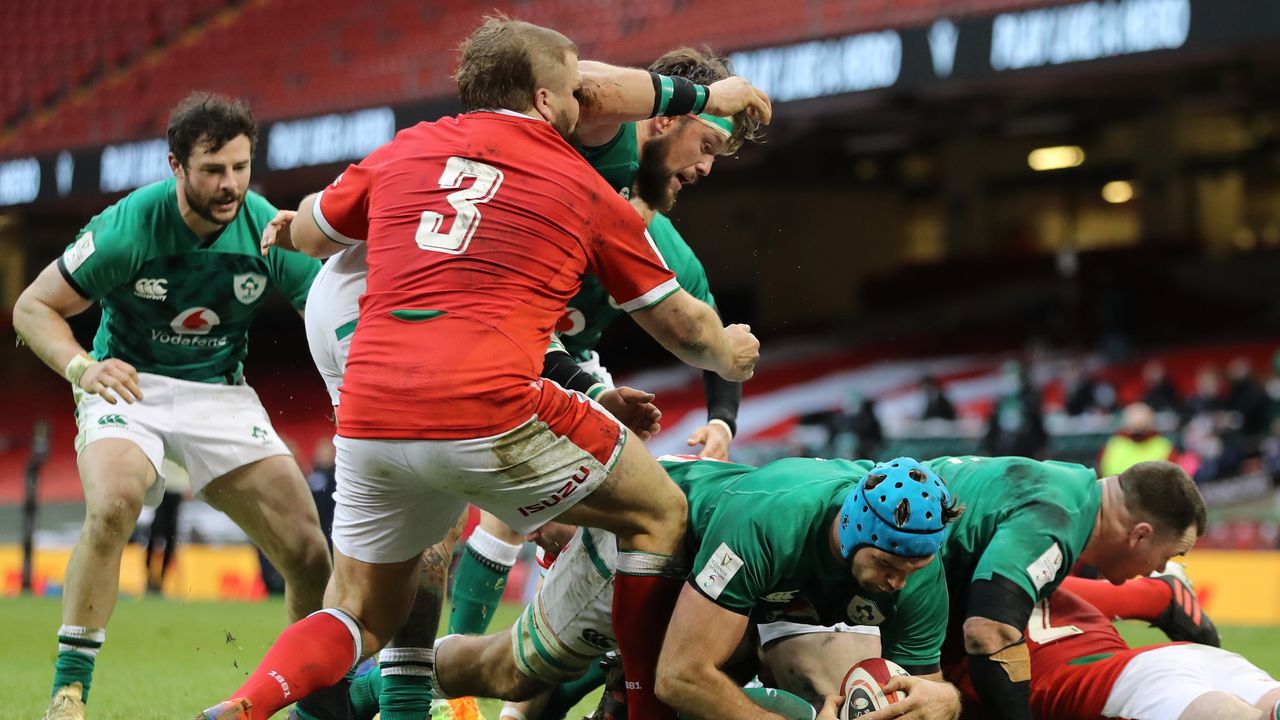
1183	619
613	703
237	709
67	703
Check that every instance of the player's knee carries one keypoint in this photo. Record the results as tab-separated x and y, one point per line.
670	512
110	518
307	563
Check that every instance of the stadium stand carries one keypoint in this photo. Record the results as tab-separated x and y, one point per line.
82	86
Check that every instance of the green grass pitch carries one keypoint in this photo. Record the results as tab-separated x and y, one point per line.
165	659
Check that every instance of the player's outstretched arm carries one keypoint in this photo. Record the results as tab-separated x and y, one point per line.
301	232
700	639
613	95
39	319
691	330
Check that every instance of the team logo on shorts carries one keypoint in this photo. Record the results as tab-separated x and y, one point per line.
249	287
864	612
195	321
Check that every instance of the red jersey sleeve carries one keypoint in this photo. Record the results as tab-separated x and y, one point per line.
342	209
622	255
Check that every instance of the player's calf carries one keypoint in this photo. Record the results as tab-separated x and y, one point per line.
483	666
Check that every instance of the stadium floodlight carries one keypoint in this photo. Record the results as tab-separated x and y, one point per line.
1117	192
1055	158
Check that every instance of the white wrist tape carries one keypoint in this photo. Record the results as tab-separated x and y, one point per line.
720	423
77	367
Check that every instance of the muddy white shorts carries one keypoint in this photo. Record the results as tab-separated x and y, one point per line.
208	429
397	497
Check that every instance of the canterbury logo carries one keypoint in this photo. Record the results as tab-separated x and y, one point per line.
111	421
151	288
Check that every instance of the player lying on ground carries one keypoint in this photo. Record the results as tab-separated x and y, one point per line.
1081	669
1026	523
176	270
455	320
797	538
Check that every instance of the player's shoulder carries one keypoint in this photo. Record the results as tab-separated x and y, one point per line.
141	210
258	210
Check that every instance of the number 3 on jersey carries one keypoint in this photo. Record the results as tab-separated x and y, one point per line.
466	216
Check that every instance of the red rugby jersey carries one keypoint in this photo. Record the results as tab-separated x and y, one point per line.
479	230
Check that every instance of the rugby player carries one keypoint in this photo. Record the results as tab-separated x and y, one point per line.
176	269
441	402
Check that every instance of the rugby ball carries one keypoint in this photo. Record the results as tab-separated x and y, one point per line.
863	688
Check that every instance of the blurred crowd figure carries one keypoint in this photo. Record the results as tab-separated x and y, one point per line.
1016	424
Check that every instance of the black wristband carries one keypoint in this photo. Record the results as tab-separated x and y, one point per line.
674	96
558	366
723	399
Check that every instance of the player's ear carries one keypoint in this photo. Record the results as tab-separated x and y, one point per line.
1139	532
542	104
175	166
662	124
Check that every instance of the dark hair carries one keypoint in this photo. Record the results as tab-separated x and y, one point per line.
205	117
503	63
704	67
1161	492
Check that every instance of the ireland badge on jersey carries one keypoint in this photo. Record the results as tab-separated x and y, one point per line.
249	287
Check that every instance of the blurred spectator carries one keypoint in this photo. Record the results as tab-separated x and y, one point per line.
1207	398
322	481
1016	425
1159	392
1273	388
1136	441
1211	451
855	431
162	536
1083	393
1247	398
937	406
1271	450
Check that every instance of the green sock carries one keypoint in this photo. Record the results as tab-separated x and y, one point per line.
364	695
479	581
566	695
406	683
77	649
405	697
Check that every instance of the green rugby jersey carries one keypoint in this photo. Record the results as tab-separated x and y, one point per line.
172	305
591	311
617	160
762	543
1024	520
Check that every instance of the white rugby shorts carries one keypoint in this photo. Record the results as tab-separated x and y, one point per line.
1160	683
207	429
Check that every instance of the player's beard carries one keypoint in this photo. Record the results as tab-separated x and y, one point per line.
204	206
564	125
653	179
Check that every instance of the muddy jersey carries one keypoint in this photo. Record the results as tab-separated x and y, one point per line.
762	543
1025	520
172	303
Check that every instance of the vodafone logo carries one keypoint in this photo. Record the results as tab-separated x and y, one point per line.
195	321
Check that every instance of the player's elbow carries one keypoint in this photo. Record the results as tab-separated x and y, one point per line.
676	683
984	636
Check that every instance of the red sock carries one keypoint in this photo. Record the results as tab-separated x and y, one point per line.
1137	599
309	655
642	606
